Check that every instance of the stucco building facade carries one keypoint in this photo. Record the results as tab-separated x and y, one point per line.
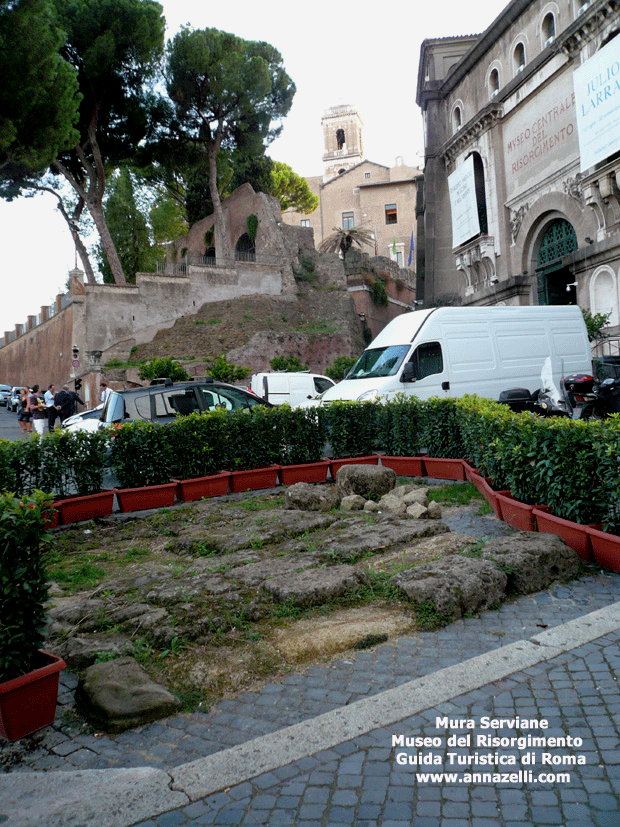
521	200
356	192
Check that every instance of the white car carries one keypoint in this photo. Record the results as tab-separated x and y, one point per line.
89	420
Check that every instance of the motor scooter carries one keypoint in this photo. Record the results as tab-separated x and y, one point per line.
580	396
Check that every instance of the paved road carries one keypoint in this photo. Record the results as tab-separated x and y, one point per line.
9	426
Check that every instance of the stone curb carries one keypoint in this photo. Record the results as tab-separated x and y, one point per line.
119	798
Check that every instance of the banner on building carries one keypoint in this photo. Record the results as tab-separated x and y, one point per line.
597	96
462	185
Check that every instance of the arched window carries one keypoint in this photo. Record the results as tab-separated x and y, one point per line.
518	58
457	119
604	294
493	83
556	282
548	29
481	199
245	249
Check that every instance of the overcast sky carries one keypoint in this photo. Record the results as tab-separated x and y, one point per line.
335	53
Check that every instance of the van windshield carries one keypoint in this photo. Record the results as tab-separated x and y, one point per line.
380	361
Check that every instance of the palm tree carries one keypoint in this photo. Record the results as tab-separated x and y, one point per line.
341	240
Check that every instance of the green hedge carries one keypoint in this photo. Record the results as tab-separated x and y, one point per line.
571	466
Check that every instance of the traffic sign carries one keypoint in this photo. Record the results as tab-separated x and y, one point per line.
75	363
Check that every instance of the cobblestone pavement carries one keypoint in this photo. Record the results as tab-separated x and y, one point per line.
361	783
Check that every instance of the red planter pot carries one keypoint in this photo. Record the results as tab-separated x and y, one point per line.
336	464
150	496
469	470
87	507
574	535
255	478
306	472
444	469
405	466
605	548
517	514
215	485
28	703
484	486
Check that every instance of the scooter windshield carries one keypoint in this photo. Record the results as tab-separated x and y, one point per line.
549	390
380	361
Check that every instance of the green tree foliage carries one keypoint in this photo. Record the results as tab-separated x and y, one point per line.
128	228
595	323
292	190
226	93
341	365
164	367
287	363
224	371
39	95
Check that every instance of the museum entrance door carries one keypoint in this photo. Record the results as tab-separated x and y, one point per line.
555	279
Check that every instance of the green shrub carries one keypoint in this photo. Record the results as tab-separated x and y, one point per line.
142	454
23	582
164	367
254	438
287	363
223	371
440	431
352	428
400	426
303	434
342	364
199	444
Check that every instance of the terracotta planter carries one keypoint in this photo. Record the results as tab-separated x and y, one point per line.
605	548
87	507
405	466
306	472
28	703
336	464
517	514
470	470
574	535
486	489
215	485
481	483
255	478
444	469
150	496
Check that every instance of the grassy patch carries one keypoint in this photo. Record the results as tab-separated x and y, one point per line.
428	618
458	494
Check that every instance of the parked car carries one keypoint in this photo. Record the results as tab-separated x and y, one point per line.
5	391
12	402
166	400
90	415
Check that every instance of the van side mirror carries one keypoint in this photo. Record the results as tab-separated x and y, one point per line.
408	373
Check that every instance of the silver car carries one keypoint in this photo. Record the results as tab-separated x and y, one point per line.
5	391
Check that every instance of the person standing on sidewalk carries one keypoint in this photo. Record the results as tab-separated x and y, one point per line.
36	406
24	417
50	407
65	401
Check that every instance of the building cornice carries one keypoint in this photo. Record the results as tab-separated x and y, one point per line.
471	131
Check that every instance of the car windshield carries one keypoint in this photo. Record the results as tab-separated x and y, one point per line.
380	361
113	408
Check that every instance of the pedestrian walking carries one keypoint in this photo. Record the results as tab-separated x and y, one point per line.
24	417
104	391
50	408
36	406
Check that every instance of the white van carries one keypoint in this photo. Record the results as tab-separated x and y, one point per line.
296	389
454	351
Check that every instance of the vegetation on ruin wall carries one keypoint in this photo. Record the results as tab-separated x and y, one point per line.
571	466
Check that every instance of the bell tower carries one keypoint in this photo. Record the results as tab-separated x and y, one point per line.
342	137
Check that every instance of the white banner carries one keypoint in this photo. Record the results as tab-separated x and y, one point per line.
462	184
597	95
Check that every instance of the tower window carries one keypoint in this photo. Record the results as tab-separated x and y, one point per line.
347	221
305	222
519	58
391	216
548	28
457	119
340	138
366	175
494	82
